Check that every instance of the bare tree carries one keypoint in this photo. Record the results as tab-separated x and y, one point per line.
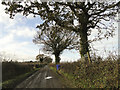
56	40
89	16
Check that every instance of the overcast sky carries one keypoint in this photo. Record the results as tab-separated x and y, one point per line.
16	39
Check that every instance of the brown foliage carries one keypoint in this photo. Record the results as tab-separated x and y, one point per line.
95	75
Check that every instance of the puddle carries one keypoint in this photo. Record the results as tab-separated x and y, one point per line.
49	77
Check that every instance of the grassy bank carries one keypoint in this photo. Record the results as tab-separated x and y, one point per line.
65	79
99	74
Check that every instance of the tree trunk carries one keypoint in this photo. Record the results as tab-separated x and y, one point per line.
57	58
84	45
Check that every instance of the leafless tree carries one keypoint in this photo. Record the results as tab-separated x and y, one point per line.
55	40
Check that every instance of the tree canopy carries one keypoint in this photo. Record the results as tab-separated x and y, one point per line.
88	16
56	40
40	57
43	58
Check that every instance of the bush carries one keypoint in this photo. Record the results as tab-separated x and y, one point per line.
99	74
13	69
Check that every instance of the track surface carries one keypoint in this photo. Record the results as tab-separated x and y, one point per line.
44	78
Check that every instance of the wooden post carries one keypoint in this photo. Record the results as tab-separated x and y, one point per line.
89	59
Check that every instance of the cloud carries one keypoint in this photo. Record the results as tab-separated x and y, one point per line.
13	35
12	46
22	49
23	31
19	50
6	39
4	18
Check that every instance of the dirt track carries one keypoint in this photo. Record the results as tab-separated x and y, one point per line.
44	78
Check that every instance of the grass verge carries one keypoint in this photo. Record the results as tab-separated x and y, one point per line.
66	79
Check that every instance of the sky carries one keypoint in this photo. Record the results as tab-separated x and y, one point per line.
16	39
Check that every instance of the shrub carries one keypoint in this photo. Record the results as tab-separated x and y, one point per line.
13	69
99	74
